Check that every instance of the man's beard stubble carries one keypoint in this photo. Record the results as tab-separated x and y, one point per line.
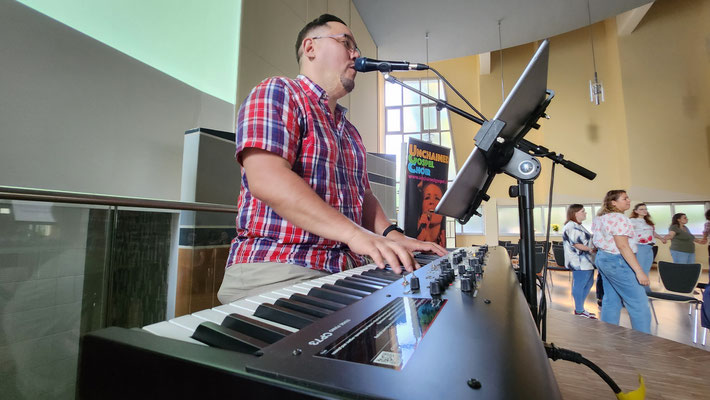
348	84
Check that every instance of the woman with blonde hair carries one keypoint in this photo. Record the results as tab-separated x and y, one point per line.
623	276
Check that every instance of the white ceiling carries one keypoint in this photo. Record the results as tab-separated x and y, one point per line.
460	28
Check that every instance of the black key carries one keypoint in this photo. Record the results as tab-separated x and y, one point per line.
382	275
357	285
284	316
317	301
371	279
218	336
256	329
303	307
333	295
343	289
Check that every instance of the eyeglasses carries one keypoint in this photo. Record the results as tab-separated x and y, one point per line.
349	42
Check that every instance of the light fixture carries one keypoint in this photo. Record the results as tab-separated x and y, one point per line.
596	89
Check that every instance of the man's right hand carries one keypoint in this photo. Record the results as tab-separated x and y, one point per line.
381	250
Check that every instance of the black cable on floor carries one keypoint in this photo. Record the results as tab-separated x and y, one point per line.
555	353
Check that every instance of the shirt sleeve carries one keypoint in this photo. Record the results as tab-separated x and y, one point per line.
268	120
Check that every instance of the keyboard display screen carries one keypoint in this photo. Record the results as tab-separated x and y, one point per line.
389	337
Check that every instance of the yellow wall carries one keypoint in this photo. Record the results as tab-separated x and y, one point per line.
652	134
665	65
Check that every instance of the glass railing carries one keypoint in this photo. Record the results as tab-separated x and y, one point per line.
72	263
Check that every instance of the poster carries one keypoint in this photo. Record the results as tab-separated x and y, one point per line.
425	179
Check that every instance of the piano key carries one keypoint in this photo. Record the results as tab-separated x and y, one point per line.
211	315
357	285
380	281
332	295
253	328
378	274
317	301
224	338
284	316
367	281
229	309
187	321
347	290
305	308
173	331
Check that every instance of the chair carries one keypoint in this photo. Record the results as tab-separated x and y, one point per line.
559	253
512	249
680	281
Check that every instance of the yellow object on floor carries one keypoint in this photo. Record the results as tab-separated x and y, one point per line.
638	394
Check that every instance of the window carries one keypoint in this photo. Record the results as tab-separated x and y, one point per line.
408	115
695	214
474	226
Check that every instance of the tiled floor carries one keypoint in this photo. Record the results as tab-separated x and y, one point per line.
674	323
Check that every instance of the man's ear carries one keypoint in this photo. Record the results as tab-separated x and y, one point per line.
308	48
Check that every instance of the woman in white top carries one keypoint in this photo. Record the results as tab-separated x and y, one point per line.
645	231
623	276
577	243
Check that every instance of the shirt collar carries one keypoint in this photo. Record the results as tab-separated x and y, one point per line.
317	93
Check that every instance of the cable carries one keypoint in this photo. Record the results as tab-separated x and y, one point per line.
555	353
457	93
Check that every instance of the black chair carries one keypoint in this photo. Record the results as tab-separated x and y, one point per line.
512	249
559	253
680	281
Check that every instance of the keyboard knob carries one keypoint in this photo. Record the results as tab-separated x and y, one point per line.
414	283
466	285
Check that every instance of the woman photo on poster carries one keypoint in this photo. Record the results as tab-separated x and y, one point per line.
430	226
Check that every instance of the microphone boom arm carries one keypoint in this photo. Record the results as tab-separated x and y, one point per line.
439	103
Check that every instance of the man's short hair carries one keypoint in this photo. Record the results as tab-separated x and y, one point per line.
316	23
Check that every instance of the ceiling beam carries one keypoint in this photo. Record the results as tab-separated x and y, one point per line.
628	21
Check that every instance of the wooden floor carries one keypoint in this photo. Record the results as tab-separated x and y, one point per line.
671	369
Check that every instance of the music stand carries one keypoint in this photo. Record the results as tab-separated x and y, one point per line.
500	147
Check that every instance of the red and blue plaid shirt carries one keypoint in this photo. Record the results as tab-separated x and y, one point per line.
291	118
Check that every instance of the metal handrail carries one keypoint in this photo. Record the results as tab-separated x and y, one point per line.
58	196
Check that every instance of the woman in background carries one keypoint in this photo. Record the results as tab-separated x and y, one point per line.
645	231
623	276
578	257
682	241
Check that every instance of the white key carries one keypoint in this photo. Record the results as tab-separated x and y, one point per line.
172	331
188	322
210	315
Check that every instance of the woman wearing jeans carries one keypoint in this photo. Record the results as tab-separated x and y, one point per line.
623	276
645	231
578	257
682	241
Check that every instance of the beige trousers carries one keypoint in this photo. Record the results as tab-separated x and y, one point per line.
249	279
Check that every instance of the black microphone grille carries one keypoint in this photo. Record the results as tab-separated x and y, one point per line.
361	64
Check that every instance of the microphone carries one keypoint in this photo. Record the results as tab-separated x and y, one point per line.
364	64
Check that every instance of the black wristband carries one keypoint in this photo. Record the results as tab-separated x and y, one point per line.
391	228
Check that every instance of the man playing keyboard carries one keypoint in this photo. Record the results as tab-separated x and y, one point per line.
305	206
